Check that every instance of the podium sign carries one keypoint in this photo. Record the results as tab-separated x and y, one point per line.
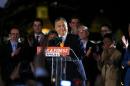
57	51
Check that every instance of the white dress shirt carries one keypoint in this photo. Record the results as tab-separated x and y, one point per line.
63	37
14	45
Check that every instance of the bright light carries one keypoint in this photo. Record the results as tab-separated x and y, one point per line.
53	80
65	83
45	30
3	3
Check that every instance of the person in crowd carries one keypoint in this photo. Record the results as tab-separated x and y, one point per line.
38	42
74	71
89	61
74	24
53	38
110	61
1	81
126	60
126	66
36	38
122	45
52	34
105	28
14	55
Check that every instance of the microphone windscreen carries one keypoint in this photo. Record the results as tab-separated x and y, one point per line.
54	42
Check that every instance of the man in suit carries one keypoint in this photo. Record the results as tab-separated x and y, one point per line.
74	24
14	52
75	70
89	61
37	39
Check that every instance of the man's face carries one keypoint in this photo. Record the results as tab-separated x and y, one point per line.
61	27
105	30
52	36
83	34
37	26
14	34
74	23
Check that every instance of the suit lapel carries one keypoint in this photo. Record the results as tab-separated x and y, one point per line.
87	46
10	47
66	42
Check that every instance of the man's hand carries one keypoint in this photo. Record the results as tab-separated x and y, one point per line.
89	51
129	63
15	74
125	41
16	52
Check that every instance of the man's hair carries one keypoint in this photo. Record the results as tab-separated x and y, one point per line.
52	32
85	27
14	27
74	17
39	20
106	25
60	18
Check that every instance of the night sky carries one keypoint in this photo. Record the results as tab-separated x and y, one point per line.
115	12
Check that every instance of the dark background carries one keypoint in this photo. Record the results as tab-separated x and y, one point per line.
22	12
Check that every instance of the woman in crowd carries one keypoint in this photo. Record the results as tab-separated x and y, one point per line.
110	60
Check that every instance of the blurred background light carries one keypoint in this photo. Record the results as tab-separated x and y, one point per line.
3	3
65	83
45	30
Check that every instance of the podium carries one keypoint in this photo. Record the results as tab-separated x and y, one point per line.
58	70
64	68
60	66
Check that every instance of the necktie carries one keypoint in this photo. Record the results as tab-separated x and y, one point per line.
84	46
62	42
61	38
14	46
37	39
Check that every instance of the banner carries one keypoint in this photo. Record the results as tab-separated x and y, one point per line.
57	51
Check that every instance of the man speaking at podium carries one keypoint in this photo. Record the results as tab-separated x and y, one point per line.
74	70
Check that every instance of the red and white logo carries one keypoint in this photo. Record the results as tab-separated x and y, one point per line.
57	51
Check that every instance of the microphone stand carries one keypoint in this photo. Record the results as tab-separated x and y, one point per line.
59	73
74	54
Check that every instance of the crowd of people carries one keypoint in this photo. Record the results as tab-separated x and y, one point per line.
103	63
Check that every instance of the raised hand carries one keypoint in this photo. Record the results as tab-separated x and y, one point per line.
16	52
125	42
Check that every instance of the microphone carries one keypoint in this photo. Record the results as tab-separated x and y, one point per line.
59	40
55	41
62	45
74	53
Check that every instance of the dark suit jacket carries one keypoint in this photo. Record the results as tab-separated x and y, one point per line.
9	62
73	42
74	69
90	63
33	43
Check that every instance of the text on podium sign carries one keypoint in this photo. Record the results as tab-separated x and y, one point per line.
57	51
